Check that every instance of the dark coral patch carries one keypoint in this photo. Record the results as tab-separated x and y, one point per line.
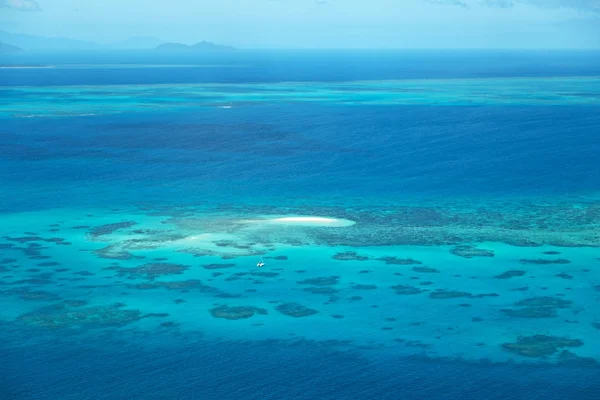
544	301
398	261
151	270
48	264
32	295
448	294
471	251
321	281
76	303
540	345
350	256
144	286
364	287
571	359
218	266
562	275
295	310
321	290
510	274
84	273
537	307
426	270
236	312
110	228
63	316
407	289
552	253
541	261
188	284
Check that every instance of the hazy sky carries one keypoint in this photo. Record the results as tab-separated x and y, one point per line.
317	23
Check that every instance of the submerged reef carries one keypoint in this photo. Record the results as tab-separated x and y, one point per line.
218	266
67	315
571	359
321	281
236	312
295	310
364	287
542	261
448	294
321	290
426	270
407	289
350	256
537	307
114	252
150	270
398	261
540	345
107	229
471	251
510	274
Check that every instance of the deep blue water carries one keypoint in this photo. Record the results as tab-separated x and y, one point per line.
323	150
68	370
288	151
278	66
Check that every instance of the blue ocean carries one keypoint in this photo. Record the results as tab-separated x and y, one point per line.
300	225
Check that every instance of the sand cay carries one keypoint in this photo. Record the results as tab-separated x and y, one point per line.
302	221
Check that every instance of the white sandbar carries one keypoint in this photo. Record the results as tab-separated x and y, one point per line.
303	221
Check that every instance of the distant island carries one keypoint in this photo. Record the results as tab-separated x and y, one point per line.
8	48
203	46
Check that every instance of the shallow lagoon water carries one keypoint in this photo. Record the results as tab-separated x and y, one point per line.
466	260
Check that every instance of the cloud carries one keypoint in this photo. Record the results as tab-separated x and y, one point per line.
583	5
21	5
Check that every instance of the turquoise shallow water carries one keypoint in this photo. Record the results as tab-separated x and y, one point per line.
133	217
179	266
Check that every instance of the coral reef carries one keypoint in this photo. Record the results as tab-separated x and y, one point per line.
510	274
321	290
426	270
321	281
544	262
150	270
218	266
407	289
350	256
398	261
571	359
471	251
448	294
107	229
537	307
295	310
236	312
65	316
364	287
540	345
562	275
113	252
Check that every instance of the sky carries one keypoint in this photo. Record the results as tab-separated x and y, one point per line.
316	23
